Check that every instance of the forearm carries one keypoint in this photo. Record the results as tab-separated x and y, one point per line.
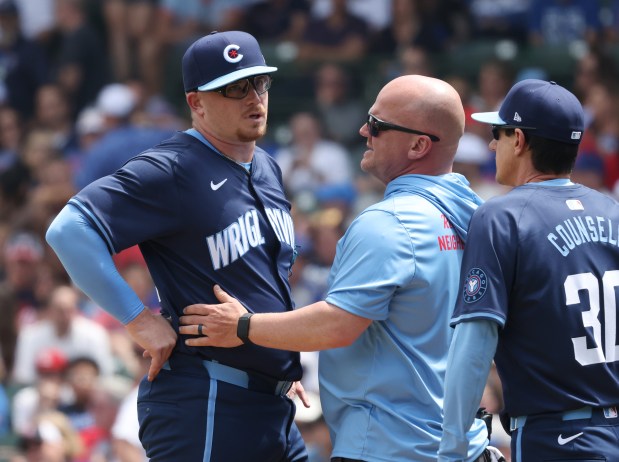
470	357
319	326
88	262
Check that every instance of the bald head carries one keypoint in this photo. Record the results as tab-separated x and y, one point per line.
427	104
420	103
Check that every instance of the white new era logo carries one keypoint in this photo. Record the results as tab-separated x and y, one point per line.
517	117
576	135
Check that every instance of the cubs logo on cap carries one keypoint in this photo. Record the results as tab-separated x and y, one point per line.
220	58
231	54
545	108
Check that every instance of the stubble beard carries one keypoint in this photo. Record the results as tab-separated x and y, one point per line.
252	135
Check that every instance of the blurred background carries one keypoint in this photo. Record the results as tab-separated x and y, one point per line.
87	84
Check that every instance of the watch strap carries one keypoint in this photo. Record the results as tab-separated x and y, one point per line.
242	327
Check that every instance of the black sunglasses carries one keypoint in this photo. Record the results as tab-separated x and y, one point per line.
375	126
496	134
240	88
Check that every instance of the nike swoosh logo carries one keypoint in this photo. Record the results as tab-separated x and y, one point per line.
215	187
563	441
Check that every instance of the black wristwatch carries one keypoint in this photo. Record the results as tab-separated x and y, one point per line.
242	328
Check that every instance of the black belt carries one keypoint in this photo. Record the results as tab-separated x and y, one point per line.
231	375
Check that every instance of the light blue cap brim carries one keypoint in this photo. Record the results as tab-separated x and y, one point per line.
491	118
236	75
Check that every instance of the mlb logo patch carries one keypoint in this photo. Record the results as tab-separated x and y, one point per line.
574	204
576	135
610	412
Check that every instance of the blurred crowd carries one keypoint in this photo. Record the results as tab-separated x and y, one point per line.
87	84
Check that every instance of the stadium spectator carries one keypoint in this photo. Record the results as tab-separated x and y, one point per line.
83	378
429	25
378	13
132	41
277	20
22	255
122	139
53	112
54	440
8	330
46	394
339	110
601	138
495	77
311	161
23	63
63	327
495	20
340	36
595	66
37	19
472	156
561	22
177	24
11	134
79	62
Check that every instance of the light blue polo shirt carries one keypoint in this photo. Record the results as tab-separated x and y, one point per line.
399	265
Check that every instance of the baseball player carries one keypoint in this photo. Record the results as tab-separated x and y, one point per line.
205	207
539	285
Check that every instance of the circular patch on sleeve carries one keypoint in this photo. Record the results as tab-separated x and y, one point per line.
475	285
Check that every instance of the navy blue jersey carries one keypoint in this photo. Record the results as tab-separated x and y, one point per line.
202	219
543	262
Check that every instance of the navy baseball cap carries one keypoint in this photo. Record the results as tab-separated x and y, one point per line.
220	58
548	109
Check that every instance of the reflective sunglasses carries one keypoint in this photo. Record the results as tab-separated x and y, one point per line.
375	126
240	88
496	134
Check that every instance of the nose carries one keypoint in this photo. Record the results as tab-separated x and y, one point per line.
252	95
363	131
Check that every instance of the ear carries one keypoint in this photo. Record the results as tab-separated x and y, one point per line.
419	147
194	101
520	142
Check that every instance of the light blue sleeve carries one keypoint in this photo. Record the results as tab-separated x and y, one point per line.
468	364
374	258
87	260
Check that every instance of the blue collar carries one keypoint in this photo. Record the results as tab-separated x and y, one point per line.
196	134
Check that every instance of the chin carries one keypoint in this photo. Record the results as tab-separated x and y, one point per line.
252	135
366	165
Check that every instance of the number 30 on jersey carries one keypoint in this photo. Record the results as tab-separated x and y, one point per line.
589	282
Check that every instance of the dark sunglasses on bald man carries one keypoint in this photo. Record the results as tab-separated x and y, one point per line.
375	126
240	88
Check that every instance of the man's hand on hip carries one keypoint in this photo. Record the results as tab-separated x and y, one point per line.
155	334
